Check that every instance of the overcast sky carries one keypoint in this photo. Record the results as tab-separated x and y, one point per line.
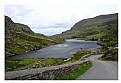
52	18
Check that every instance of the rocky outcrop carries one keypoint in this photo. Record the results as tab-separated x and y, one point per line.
8	21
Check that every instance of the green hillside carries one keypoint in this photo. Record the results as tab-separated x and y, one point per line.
109	41
103	28
19	38
88	29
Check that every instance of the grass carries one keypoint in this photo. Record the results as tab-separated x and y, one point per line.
80	70
18	42
19	64
95	36
110	55
100	59
103	59
28	63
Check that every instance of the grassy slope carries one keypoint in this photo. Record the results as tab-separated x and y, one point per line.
88	29
29	63
110	41
80	70
19	38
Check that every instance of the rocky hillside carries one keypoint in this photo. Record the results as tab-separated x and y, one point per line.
88	29
19	38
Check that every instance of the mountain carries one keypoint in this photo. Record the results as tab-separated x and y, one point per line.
103	28
19	38
88	29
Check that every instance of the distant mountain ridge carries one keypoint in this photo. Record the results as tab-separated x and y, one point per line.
19	38
86	28
90	21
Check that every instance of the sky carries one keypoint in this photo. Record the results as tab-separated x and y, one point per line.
51	18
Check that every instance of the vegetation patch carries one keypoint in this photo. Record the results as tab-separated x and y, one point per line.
100	59
79	55
29	63
110	55
80	70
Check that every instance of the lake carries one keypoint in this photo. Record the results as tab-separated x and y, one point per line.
65	50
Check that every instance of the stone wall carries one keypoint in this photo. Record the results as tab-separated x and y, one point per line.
50	74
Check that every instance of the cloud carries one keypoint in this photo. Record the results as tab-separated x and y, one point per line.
17	11
49	16
50	31
58	25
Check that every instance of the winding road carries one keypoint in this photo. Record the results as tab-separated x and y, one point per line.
101	70
14	74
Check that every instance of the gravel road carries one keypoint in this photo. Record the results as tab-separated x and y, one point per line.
101	70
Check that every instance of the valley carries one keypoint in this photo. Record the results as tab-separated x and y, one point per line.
25	49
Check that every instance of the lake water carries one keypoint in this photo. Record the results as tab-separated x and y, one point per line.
59	50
